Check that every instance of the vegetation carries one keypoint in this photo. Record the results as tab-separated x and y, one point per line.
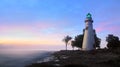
66	40
79	40
97	42
113	42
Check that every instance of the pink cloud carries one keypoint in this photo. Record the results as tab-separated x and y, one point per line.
37	28
101	26
109	25
107	28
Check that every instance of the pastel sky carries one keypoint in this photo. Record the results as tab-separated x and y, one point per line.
45	22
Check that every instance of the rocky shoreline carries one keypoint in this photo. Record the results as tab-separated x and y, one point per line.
77	58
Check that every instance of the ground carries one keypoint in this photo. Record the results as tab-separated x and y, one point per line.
77	58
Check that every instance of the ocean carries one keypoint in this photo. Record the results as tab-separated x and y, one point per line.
21	58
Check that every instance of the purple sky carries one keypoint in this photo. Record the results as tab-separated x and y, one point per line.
46	22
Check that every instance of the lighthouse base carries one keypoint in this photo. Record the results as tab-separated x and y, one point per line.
88	41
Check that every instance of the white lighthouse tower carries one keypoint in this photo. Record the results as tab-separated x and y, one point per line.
88	40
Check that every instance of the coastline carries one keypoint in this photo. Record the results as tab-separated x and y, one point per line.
47	58
77	58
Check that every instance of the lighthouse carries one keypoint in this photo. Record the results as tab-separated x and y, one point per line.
88	39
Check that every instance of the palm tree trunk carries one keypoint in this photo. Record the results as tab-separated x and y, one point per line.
66	46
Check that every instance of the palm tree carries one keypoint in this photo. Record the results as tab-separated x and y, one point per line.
66	40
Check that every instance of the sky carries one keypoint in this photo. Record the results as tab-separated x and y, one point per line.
44	23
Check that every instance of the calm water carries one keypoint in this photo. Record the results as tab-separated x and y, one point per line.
20	58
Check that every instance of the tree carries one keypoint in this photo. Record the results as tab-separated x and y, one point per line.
78	41
72	44
113	42
66	40
97	42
